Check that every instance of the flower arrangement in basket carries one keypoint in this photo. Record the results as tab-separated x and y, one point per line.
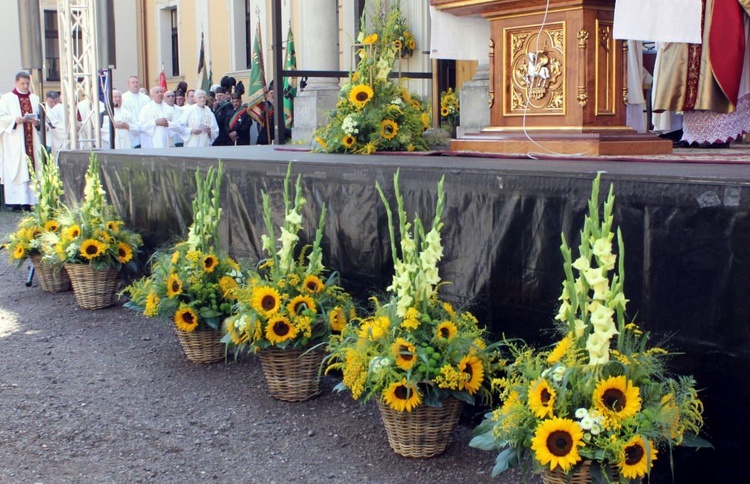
193	283
26	241
417	355
93	244
290	307
450	110
375	113
600	402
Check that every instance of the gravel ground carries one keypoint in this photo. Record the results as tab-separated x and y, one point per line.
107	396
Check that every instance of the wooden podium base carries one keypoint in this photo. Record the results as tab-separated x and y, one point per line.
615	143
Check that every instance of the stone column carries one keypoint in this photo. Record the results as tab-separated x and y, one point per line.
317	49
474	101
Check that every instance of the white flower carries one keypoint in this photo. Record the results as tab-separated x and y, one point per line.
407	245
267	242
294	218
582	412
602	320
580	328
582	264
596	429
602	247
558	373
586	423
562	314
598	348
379	363
608	261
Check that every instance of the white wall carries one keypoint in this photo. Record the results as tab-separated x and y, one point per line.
11	41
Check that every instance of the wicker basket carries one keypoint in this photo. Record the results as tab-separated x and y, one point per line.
424	432
581	474
93	289
201	346
291	375
51	278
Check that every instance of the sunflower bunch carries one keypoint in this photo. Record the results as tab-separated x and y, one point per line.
288	302
450	109
91	233
375	113
192	283
612	402
403	38
415	349
26	241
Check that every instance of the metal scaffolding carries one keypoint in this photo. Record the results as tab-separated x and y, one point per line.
78	72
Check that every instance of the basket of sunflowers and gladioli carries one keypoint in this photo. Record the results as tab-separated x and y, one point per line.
192	283
418	356
26	241
450	110
290	306
93	244
599	406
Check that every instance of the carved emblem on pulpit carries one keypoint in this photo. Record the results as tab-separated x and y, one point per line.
535	64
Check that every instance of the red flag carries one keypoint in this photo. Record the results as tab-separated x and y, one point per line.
163	78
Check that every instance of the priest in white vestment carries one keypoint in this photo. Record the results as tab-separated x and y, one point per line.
198	125
126	126
19	121
56	133
133	100
156	122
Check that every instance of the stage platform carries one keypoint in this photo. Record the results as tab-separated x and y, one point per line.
685	222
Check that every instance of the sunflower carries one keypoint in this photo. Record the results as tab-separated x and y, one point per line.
279	329
446	331
426	120
337	319
472	366
124	253
174	285
91	248
541	398
52	226
72	232
360	95
321	142
405	354
152	304
228	287
370	39
617	398
19	252
402	396
186	319
635	459
266	300
113	226
444	112
348	141
301	303
209	263
388	129
397	43
175	257
561	348
313	284
556	443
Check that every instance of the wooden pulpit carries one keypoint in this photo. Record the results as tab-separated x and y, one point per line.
558	79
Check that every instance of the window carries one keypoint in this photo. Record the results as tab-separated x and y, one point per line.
51	46
175	40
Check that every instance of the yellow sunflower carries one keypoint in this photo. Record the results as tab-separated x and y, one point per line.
541	398
348	141
72	232
52	226
397	43
472	366
313	284
228	287
174	285
388	129
266	300
19	252
152	304
561	348
33	232
209	263
91	248
444	112
113	226
405	354
402	396
186	319
279	329
617	398
337	319
426	121
124	253
556	443
635	459
301	303
446	331
360	95
321	142
175	257
370	39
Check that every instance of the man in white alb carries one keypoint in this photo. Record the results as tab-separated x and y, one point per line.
133	101
198	124
126	127
57	135
19	122
156	122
